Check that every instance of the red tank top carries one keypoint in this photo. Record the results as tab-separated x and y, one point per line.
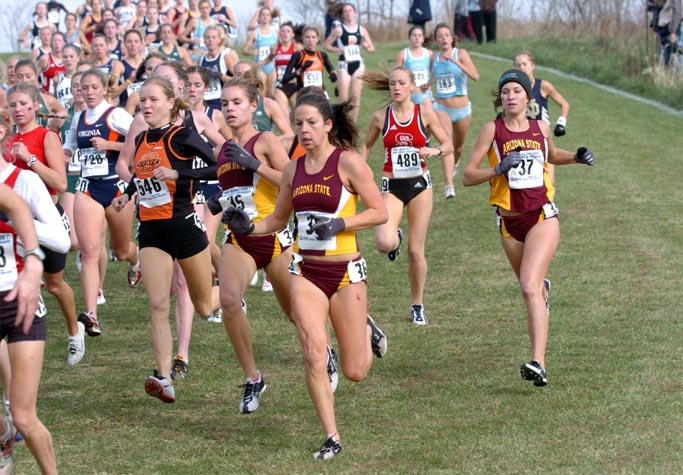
401	144
282	58
35	143
51	73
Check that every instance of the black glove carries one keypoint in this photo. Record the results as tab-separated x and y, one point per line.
306	65
214	205
585	156
560	125
328	227
234	152
510	161
333	76
238	221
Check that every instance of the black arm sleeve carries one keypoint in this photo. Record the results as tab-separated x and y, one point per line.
290	71
188	143
132	188
328	63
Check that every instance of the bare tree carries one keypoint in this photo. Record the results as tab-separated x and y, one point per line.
13	21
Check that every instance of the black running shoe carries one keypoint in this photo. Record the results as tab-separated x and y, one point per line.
378	340
392	255
533	371
89	321
178	368
328	450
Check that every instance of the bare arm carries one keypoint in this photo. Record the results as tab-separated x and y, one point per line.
367	41
548	90
376	124
357	176
278	116
473	174
465	63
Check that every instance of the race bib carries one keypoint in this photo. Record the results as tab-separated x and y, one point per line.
213	91
285	238
74	165
405	162
281	72
357	270
8	262
445	84
239	197
529	172
313	78
421	77
550	210
133	88
263	53
352	53
94	163
294	264
53	17
82	184
152	192
384	185
308	239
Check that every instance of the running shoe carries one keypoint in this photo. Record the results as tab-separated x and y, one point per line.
254	280
244	306
267	286
392	255
7	440
100	297
449	192
134	275
76	346
328	450
79	261
533	371
378	340
546	284
332	364
252	392
92	326
178	368
112	257
160	387
216	316
418	314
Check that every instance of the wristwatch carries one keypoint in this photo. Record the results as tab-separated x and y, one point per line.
440	150
38	252
32	160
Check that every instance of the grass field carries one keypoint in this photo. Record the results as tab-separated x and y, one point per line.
448	397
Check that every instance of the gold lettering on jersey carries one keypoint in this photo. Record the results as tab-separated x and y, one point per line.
312	188
526	144
227	167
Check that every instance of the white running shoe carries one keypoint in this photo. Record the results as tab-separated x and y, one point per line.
100	297
254	280
418	314
76	346
251	394
79	261
216	316
449	192
267	286
244	306
332	365
160	387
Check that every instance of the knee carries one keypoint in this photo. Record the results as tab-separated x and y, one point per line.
23	420
529	289
55	287
386	241
458	149
121	253
416	256
315	358
159	305
354	372
231	305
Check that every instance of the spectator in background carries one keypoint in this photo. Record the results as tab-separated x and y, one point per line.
420	13
488	15
332	16
474	12
460	20
668	23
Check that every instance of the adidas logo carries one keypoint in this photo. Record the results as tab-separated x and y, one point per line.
393	127
418	185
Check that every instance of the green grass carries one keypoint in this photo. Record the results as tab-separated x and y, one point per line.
448	397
